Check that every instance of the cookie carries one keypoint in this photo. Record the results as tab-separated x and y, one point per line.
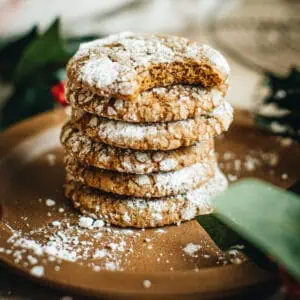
126	64
154	136
143	213
163	104
148	186
103	156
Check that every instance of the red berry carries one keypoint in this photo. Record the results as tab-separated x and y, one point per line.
58	92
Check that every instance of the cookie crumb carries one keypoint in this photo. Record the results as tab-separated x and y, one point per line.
96	268
111	266
57	268
228	155
32	260
236	260
190	249
250	163
85	222
232	177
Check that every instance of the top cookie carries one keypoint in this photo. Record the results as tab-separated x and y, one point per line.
126	64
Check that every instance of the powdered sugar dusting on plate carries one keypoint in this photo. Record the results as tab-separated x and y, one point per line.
191	248
70	242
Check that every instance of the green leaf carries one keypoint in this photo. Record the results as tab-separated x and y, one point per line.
47	49
11	53
227	239
221	234
295	188
267	217
24	103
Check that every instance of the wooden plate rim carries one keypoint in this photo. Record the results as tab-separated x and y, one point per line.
25	129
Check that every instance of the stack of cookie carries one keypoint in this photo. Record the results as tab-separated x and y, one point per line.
140	142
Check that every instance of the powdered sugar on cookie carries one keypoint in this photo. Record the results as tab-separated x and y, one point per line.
145	212
150	186
118	64
155	136
127	160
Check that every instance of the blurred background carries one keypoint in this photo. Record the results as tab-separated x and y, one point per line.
258	38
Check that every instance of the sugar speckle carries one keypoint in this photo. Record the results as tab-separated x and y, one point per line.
37	271
85	222
147	284
51	158
286	142
98	224
56	223
32	260
111	266
50	202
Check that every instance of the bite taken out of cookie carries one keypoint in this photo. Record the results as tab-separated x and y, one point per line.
126	64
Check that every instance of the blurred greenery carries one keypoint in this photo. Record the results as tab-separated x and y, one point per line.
284	94
32	64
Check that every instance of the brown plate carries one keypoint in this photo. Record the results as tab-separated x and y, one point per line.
28	173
